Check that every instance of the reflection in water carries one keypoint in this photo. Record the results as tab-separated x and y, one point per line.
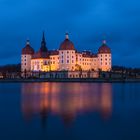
66	100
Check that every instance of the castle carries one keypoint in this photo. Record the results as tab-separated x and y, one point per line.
66	58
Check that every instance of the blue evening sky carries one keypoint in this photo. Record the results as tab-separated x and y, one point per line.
87	21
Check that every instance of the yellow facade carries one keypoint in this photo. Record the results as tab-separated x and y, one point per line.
54	62
77	62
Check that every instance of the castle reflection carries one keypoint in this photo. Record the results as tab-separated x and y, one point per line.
67	100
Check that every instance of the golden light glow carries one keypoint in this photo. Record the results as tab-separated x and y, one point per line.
60	99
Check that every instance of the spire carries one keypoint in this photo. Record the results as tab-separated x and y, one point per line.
43	37
67	35
43	47
104	41
28	42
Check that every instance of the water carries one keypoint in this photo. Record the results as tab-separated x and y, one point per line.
66	111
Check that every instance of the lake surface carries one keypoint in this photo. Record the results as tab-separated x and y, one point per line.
70	111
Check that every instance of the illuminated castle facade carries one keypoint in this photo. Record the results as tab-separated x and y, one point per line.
66	58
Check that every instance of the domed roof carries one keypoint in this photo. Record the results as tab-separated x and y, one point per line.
28	49
104	48
67	44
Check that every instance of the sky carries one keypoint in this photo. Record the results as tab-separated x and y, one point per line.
88	22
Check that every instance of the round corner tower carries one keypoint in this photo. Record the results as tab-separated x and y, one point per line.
105	57
26	57
67	59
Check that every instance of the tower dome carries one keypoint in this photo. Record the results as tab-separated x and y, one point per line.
104	48
67	44
28	49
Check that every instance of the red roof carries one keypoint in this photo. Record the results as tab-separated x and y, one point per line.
28	49
104	48
67	44
53	52
40	54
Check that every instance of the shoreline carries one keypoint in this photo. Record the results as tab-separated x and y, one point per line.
89	80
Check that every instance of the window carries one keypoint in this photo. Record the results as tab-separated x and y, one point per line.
45	63
67	61
67	51
62	61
